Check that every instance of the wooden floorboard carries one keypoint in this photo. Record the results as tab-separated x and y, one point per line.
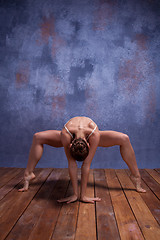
122	213
86	217
106	222
127	224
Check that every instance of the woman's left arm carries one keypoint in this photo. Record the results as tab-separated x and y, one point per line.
93	142
72	168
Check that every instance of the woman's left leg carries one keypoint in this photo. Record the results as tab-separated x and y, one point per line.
112	138
50	137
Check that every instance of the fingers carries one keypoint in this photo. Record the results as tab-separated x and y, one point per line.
74	198
71	201
141	190
97	199
63	200
68	199
91	200
22	189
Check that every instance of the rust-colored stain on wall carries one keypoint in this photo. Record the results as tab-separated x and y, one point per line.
48	31
96	58
23	73
58	105
151	103
141	40
130	72
135	73
91	103
47	28
103	15
59	102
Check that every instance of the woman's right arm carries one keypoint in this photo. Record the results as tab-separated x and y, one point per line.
72	168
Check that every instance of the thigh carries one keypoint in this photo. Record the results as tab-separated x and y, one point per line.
110	138
50	137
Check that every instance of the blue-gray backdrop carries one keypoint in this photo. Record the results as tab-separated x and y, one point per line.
95	58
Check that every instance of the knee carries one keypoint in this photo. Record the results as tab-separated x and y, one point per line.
37	137
125	139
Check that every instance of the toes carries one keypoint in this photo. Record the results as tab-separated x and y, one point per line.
22	190
98	199
141	190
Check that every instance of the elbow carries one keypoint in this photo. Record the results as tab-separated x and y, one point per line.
96	136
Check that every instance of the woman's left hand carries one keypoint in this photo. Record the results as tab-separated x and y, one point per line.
90	199
70	199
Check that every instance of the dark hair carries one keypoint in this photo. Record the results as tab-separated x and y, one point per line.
79	149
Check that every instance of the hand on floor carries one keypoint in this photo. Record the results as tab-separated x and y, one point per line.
90	199
27	179
70	199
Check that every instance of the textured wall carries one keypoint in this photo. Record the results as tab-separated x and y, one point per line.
96	58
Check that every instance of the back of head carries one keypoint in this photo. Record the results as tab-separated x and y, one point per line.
79	149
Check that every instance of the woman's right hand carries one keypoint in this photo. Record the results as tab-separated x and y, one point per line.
27	178
90	199
70	199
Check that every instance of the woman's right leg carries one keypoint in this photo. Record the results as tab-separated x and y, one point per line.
50	137
112	138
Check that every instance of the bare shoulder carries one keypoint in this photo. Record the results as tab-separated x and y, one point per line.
94	132
73	122
65	137
92	124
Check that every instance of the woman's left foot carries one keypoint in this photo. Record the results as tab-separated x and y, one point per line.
137	182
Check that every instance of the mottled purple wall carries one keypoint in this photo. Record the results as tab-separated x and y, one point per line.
96	58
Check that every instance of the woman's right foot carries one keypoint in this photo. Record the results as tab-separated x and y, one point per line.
137	182
27	178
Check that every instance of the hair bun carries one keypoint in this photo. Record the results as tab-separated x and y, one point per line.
79	149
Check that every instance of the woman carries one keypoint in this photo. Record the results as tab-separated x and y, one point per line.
80	138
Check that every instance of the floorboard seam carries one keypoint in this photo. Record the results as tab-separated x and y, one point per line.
59	212
12	188
77	220
149	186
24	209
131	207
95	207
113	207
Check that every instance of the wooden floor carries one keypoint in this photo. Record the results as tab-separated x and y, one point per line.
122	214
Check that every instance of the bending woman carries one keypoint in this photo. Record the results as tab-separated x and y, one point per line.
80	138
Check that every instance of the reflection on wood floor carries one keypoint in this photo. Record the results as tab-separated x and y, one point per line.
123	213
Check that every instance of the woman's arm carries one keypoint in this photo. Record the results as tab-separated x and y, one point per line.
93	142
72	168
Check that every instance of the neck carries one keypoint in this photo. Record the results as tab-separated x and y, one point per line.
80	135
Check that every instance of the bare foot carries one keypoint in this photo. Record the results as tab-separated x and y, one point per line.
27	179
137	182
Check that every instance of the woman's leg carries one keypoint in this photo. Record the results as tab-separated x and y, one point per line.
50	137
112	138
